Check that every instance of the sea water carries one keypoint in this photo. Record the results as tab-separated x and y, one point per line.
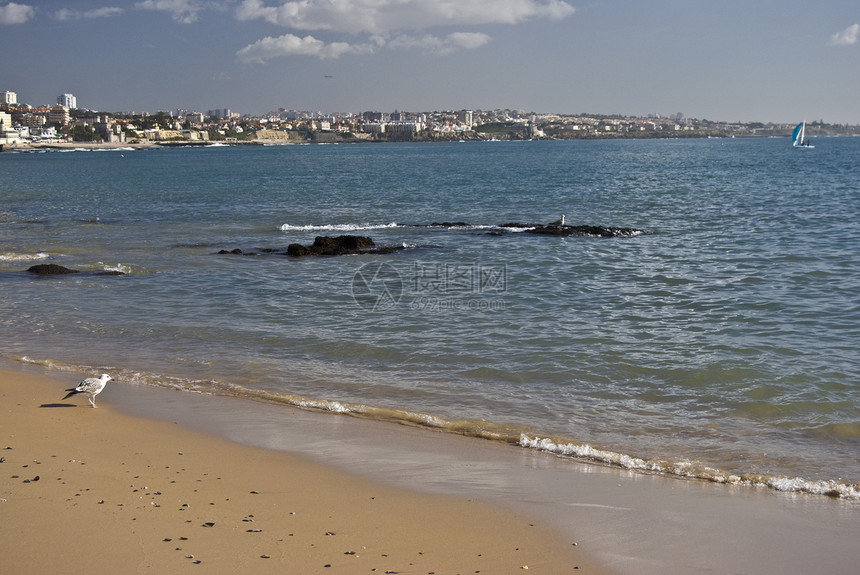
718	341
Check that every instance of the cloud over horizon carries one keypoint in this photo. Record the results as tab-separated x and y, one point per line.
182	11
13	13
387	16
390	23
846	37
67	14
290	44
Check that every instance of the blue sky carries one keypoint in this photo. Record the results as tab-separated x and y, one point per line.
733	60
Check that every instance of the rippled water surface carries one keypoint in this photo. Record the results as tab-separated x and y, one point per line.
720	342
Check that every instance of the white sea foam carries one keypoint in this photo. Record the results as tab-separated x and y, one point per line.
16	257
323	405
336	227
124	268
689	470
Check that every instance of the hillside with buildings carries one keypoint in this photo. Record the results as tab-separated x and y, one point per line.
65	123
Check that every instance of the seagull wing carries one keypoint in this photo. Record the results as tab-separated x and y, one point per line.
90	385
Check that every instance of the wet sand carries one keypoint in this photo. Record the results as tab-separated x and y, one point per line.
401	499
98	490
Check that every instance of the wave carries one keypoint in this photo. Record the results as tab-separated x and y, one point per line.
496	229
692	470
337	227
483	429
122	268
64	149
392	225
16	257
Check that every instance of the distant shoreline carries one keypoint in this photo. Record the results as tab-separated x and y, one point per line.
204	143
282	142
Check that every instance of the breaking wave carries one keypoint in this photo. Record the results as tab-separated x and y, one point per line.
692	470
16	257
478	428
336	227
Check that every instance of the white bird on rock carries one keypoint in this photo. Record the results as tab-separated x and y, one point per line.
92	386
558	222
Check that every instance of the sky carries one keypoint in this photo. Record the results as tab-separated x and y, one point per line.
777	61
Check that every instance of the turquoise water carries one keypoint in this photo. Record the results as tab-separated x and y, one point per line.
720	343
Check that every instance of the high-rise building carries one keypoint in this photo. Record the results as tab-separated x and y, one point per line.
59	114
68	100
8	97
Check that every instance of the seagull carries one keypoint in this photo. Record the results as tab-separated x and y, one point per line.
558	222
92	386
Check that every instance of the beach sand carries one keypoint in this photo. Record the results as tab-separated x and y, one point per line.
100	491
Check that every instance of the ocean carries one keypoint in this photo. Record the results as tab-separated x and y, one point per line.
716	342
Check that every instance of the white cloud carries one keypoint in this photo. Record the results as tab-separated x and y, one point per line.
388	23
12	13
447	45
183	11
388	16
847	37
291	45
67	14
467	40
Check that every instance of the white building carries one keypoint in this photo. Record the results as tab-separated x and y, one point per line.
403	128
34	121
68	100
194	118
59	114
7	97
8	135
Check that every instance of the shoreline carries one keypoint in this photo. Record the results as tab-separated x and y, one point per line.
286	142
113	492
625	522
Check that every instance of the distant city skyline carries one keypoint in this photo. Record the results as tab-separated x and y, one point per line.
734	61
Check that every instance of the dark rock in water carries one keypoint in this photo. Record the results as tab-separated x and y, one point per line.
449	225
557	229
50	270
298	250
591	231
55	270
341	245
322	246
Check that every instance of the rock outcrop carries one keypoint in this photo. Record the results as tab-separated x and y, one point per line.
590	231
56	270
51	270
323	246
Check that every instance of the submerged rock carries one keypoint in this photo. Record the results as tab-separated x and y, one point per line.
341	245
55	270
322	246
592	231
50	270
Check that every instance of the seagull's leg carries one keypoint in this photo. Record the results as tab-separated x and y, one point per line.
92	401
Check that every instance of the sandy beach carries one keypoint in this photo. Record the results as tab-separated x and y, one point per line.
99	491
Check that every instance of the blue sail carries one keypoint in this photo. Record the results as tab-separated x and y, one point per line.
796	133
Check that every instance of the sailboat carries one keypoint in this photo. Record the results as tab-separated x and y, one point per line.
798	136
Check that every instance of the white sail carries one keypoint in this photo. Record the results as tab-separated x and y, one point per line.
799	137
